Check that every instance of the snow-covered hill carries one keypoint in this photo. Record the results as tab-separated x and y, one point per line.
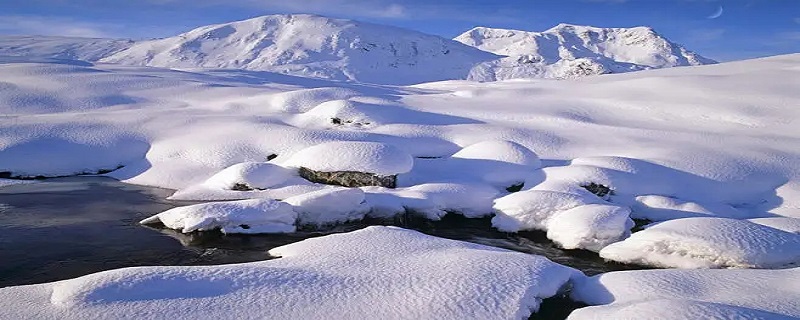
310	45
569	51
338	49
72	48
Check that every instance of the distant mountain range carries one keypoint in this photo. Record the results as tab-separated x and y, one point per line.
339	49
568	51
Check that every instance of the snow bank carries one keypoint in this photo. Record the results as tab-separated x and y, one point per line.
383	272
253	175
367	157
707	243
590	227
532	209
574	221
689	294
244	216
432	200
328	206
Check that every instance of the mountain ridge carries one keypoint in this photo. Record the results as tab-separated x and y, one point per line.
348	50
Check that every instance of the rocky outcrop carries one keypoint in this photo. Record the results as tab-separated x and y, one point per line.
349	178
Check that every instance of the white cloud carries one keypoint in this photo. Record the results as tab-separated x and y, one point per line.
55	26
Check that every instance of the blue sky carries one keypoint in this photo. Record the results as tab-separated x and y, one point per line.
746	28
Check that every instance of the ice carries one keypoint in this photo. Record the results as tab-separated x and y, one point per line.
708	243
243	216
690	294
382	272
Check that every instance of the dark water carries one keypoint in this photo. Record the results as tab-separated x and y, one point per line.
69	227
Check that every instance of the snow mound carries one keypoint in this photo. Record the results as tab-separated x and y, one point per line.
303	100
329	206
502	151
432	200
344	276
500	163
532	209
590	227
252	175
708	243
243	216
657	192
368	157
781	223
690	294
574	221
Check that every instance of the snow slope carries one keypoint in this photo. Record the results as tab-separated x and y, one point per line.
70	48
569	51
377	272
309	45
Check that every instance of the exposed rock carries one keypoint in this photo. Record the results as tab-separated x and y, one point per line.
241	187
598	189
515	187
349	178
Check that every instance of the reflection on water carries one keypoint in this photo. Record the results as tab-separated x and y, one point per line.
68	227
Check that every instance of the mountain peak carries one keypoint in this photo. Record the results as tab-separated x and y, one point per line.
313	46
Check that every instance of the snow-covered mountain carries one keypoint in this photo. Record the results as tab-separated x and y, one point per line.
339	49
310	45
568	51
73	48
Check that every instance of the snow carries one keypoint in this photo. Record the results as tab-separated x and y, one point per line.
256	175
345	50
571	51
329	206
689	294
11	182
708	243
781	223
383	272
309	45
432	200
243	216
574	221
590	227
532	209
368	157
